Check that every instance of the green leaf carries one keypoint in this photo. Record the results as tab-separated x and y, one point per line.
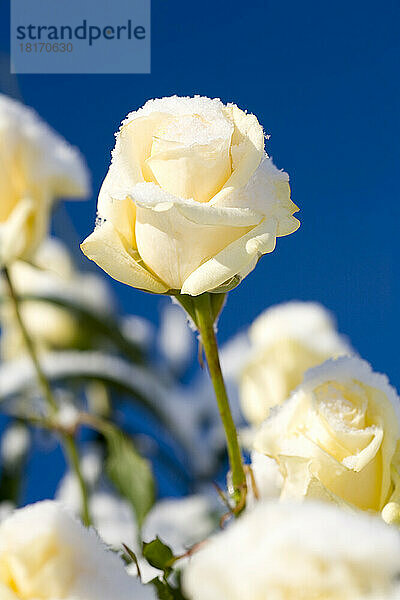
158	554
130	473
165	591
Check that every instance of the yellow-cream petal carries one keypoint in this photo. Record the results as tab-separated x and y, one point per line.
233	259
133	147
107	249
267	192
173	246
247	150
7	594
150	195
382	411
195	171
18	230
118	210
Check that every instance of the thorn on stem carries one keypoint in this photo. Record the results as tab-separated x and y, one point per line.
254	486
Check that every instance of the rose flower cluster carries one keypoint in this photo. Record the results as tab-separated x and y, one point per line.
305	434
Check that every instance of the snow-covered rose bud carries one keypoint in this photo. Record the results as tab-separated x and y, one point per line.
337	437
191	200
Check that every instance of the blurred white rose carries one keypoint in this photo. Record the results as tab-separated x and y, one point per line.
337	437
50	326
14	444
298	552
191	200
45	553
286	340
36	167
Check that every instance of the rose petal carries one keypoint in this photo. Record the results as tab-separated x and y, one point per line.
17	232
174	246
107	249
233	259
149	195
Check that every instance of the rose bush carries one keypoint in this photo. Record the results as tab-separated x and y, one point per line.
191	200
337	437
37	166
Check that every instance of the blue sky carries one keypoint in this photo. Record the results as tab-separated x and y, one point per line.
323	79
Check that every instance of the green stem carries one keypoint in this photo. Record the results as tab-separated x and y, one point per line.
205	324
73	458
41	377
44	385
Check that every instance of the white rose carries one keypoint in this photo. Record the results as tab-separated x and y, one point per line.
45	553
286	340
298	552
191	200
336	438
36	167
50	326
